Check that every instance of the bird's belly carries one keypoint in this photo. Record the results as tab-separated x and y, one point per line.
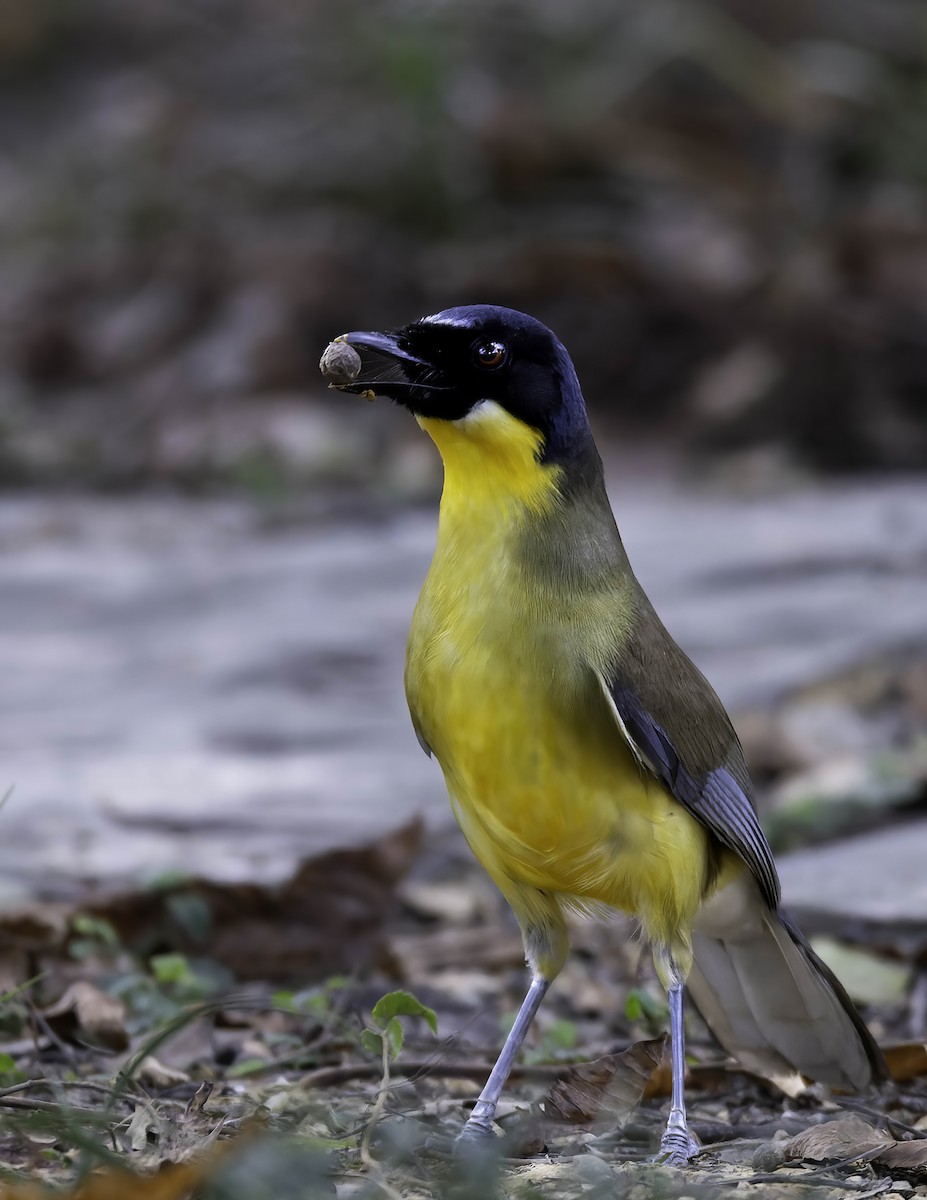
546	790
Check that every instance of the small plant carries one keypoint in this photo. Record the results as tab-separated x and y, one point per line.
386	1039
556	1043
179	978
643	1005
96	938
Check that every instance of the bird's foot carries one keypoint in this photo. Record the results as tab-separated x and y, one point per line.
477	1133
677	1146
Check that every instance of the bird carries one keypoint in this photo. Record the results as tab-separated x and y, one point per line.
588	761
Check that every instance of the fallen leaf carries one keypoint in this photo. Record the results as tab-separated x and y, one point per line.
850	1138
613	1085
869	978
86	1014
154	1074
143	1127
847	1138
451	903
906	1157
326	920
35	926
197	1101
906	1060
175	1181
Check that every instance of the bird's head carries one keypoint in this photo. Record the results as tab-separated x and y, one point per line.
480	373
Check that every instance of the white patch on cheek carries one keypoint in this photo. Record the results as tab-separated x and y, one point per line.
485	413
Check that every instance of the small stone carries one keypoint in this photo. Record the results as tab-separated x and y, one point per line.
768	1158
589	1168
340	364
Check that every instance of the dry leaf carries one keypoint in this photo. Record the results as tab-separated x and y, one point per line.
906	1157
611	1086
849	1137
450	903
852	1137
173	1181
143	1127
86	1014
197	1101
154	1074
35	926
326	920
907	1060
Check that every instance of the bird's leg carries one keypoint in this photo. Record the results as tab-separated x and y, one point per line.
677	1145
479	1124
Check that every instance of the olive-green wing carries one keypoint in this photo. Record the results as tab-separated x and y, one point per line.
713	796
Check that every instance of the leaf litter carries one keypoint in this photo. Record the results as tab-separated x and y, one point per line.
235	1041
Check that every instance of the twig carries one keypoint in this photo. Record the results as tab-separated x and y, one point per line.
27	1105
88	1085
329	1076
22	1087
25	1045
808	1179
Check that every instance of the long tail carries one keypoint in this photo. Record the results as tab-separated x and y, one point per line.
770	1001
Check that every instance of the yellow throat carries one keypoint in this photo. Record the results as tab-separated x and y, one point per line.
491	463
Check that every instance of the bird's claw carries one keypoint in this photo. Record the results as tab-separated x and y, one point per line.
477	1133
677	1146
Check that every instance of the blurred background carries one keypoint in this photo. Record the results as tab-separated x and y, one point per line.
209	561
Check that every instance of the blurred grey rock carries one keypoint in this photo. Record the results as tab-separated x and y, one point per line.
875	879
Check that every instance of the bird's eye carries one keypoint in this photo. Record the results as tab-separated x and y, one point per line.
490	354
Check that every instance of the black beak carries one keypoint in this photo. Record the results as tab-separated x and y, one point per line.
386	368
384	344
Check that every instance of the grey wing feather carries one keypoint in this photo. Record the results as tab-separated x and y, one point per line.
714	798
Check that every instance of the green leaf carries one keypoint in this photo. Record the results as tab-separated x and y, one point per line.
561	1034
393	1035
170	968
95	927
372	1042
633	1008
9	1072
403	1004
192	913
247	1066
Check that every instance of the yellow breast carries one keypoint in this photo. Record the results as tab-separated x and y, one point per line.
545	788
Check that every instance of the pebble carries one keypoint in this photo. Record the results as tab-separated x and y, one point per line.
340	363
589	1168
